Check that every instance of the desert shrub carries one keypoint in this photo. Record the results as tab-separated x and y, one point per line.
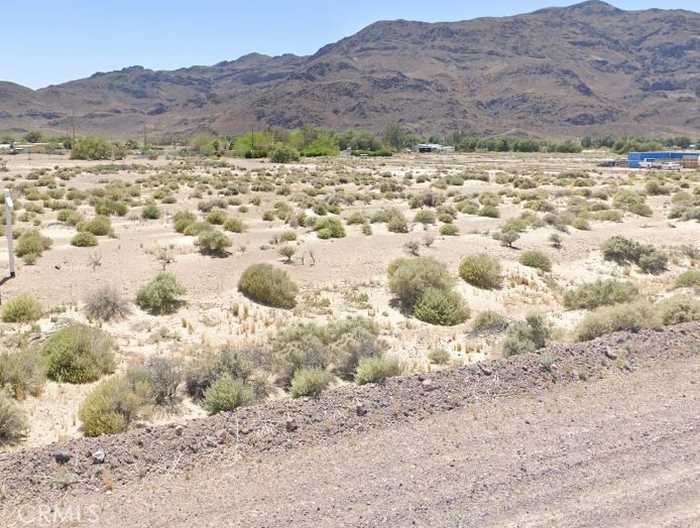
376	369
268	285
633	202
84	239
31	244
621	250
679	309
410	278
481	271
196	228
425	216
213	242
161	295
526	336
227	394
555	240
536	259
652	261
183	219
91	148
600	293
22	373
284	154
217	217
310	382
13	422
439	356
78	354
329	228
288	236
234	225
449	230
490	322
106	304
688	279
21	309
113	405
489	211
441	307
507	237
239	363
164	376
98	226
629	316
150	212
356	218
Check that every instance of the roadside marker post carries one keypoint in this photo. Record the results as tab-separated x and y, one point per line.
9	205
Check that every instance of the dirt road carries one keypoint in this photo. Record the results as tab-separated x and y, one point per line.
620	450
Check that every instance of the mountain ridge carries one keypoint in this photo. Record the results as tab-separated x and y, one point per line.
561	71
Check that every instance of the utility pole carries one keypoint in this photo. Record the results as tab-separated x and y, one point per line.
72	121
9	206
145	137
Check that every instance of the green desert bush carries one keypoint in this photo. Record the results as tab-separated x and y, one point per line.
624	251
164	376
425	216
607	319
31	244
490	322
284	154
106	304
92	148
410	278
227	394
196	228
161	296
268	285
217	217
679	309
652	261
310	382
328	227
98	226
21	309
150	212
536	259
439	356
114	405
441	307
213	242
481	271
600	293
234	225
183	219
449	230
22	373
84	239
688	279
526	336
13	422
376	369
78	354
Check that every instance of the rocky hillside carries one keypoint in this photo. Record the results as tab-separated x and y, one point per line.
588	68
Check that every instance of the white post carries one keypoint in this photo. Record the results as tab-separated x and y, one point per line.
8	232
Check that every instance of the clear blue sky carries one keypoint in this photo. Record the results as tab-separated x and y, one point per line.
51	41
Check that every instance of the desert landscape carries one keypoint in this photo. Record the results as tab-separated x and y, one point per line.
431	274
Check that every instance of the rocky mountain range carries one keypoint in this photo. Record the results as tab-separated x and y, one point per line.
585	69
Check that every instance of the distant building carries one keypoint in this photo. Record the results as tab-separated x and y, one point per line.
637	160
426	148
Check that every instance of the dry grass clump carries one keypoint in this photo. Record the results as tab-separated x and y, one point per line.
490	322
22	373
600	293
78	354
106	304
268	285
21	309
481	271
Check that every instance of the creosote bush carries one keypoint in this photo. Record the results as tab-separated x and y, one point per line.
688	279
268	285
490	322
227	394
213	242
624	251
536	259
410	278
114	405
376	369
310	382
329	228
31	244
84	239
600	293
679	309
21	309
526	336
13	422
161	296
78	354
106	304
439	356
607	319
481	271
441	307
22	373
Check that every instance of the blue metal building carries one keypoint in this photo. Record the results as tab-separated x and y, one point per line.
633	158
